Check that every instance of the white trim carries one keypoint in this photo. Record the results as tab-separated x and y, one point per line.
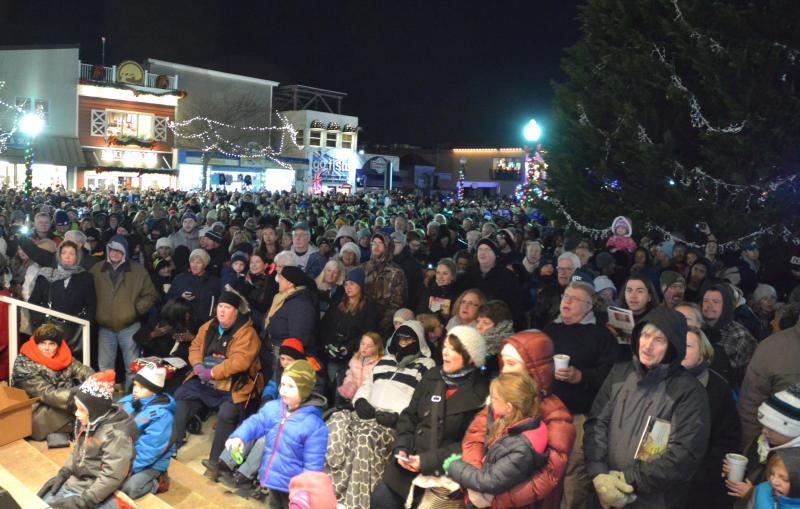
211	72
120	94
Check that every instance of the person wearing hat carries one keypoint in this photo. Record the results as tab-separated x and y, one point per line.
153	412
765	299
125	293
719	307
62	222
225	374
102	454
238	267
295	436
188	234
198	285
673	286
655	383
46	369
384	281
749	267
411	268
213	243
309	258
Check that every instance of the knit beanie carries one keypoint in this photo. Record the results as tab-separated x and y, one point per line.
763	291
473	343
294	275
61	218
212	235
304	376
231	298
491	244
163	242
189	215
202	254
96	394
293	348
357	276
352	247
240	256
781	412
151	377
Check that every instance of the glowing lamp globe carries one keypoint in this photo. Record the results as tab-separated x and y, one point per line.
31	124
532	131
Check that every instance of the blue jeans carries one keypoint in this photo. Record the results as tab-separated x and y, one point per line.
63	493
108	341
252	461
141	483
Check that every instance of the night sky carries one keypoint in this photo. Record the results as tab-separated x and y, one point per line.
422	72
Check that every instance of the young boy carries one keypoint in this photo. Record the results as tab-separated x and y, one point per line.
153	412
782	487
495	324
103	451
295	434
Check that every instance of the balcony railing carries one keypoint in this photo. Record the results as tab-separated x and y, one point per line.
106	74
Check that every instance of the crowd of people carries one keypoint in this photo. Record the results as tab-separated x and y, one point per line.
394	351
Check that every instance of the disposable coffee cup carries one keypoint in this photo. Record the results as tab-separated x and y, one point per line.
737	464
167	286
561	361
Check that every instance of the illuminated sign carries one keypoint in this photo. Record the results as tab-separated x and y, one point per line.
327	168
130	158
130	72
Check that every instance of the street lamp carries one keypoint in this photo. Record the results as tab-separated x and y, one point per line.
31	125
532	131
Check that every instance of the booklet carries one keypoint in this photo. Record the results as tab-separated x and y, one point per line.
621	319
654	439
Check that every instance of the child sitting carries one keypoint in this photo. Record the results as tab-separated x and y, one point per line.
782	488
291	350
369	353
517	442
295	436
152	410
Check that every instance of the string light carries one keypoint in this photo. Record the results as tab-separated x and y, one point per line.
29	155
715	46
533	188
460	184
5	136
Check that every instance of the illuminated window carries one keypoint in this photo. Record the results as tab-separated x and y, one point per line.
330	139
127	123
315	138
347	140
34	105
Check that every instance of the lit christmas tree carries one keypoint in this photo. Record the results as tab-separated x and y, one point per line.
534	187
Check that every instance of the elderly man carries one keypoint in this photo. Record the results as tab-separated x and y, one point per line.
309	258
652	386
673	286
188	235
548	302
592	350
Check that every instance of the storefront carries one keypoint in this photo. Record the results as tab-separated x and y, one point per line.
123	168
55	161
232	173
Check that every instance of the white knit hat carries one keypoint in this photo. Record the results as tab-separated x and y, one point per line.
163	242
763	291
473	343
781	412
151	377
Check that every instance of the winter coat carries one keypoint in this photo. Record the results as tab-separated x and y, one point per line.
413	272
544	488
764	499
385	284
446	297
102	457
339	328
181	238
76	299
357	372
510	460
122	303
219	257
55	409
297	318
734	337
433	425
238	373
630	395
312	262
294	442
393	382
499	283
775	366
154	420
205	288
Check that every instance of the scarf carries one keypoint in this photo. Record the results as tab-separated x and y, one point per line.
60	273
457	378
61	360
496	335
278	301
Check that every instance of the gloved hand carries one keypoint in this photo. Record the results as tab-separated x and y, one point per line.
448	461
52	486
612	490
71	503
364	409
388	419
202	372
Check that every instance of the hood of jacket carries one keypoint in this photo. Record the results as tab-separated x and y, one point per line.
419	331
791	458
536	349
728	306
119	243
624	222
388	253
673	325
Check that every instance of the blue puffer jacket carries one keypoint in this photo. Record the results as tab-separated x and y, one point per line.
154	421
764	499
294	443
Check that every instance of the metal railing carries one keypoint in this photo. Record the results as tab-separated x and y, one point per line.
13	327
109	75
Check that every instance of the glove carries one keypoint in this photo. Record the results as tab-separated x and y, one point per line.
612	490
388	419
71	503
203	372
449	460
364	409
51	487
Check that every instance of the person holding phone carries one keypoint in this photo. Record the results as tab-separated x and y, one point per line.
199	287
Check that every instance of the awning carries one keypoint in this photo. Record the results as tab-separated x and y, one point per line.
57	150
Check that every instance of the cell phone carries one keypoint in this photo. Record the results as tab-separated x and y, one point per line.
430	265
402	458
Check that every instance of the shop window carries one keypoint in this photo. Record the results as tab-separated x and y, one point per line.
506	168
315	138
34	105
298	137
347	140
127	123
331	139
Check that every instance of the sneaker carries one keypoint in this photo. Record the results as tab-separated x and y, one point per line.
252	490
163	483
235	481
212	470
195	425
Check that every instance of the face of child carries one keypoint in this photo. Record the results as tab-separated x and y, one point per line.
483	324
367	347
140	392
289	393
621	230
238	266
500	407
774	438
779	479
81	413
285	360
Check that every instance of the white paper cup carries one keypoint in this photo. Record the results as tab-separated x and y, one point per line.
166	287
561	361
738	464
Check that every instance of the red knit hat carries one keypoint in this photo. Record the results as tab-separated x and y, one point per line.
293	348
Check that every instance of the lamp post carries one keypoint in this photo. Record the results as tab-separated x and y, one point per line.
31	125
530	188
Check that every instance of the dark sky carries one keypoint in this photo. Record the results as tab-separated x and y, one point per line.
417	72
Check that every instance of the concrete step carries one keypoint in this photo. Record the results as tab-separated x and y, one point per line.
23	496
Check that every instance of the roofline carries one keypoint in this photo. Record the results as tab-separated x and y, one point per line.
309	87
212	72
40	47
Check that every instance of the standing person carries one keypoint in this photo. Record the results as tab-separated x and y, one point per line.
294	312
198	286
309	258
592	351
465	309
125	294
782	487
385	282
439	296
411	268
673	286
188	235
548	299
652	385
739	344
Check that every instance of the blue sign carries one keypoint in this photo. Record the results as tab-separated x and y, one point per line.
330	169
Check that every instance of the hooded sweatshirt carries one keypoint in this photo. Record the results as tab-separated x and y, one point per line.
385	282
734	337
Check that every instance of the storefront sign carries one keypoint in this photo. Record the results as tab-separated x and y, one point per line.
130	72
329	168
130	158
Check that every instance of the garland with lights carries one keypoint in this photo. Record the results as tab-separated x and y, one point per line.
533	188
29	154
121	141
5	136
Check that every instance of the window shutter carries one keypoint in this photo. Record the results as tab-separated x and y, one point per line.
160	128
98	123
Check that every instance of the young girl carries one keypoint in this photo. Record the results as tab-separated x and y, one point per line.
620	239
517	442
369	353
782	487
295	434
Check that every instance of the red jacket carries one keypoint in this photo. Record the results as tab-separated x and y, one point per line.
544	489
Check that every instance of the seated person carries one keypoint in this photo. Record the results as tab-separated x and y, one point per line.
360	367
103	450
170	332
152	410
292	445
782	487
45	369
495	324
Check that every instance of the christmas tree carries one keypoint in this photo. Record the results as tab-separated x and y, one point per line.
532	190
678	111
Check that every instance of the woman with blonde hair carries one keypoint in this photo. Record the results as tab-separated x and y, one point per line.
330	284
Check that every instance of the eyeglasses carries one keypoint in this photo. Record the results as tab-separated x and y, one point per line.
569	299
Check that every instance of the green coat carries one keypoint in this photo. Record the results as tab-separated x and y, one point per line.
118	306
